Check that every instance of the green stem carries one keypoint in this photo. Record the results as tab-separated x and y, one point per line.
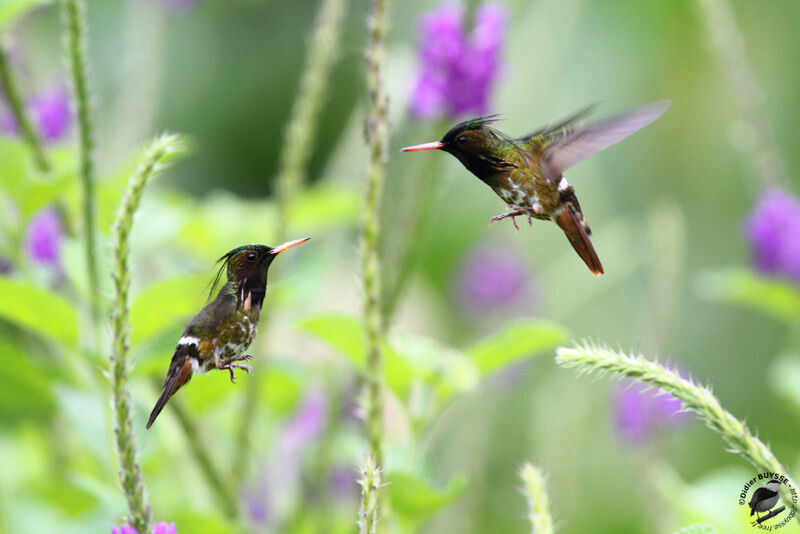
29	133
588	357
130	475
538	502
75	18
377	137
370	484
302	127
226	497
297	147
729	46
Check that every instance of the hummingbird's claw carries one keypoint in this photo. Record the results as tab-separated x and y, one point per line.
512	214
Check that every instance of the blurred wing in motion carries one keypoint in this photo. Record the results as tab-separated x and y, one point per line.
569	145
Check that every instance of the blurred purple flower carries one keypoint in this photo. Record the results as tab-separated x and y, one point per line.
49	111
491	278
124	529
270	500
772	230
5	266
164	528
640	411
457	71
343	481
44	236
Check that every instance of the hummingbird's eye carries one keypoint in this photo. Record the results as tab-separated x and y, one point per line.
251	257
462	139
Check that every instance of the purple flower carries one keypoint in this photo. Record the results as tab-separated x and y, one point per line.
492	278
640	411
772	230
44	236
49	111
343	481
271	499
307	423
457	71
164	528
124	529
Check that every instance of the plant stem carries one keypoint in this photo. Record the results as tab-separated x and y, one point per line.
226	497
588	357
729	46
130	475
297	147
302	127
538	503
377	137
370	483
75	18
29	133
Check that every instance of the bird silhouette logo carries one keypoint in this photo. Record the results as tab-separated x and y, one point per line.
764	498
765	504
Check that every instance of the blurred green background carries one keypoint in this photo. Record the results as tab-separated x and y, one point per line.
666	207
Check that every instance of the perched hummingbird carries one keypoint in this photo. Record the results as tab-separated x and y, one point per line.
527	173
222	331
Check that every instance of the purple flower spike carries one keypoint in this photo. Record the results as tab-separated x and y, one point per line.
307	423
457	71
164	528
44	236
51	112
772	230
640	411
492	278
124	529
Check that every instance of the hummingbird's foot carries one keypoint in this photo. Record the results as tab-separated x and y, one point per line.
233	366
511	214
230	366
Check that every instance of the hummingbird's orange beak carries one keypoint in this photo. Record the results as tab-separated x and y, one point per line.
423	146
288	244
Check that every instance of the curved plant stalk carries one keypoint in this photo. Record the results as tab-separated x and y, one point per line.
297	147
538	502
75	30
14	99
589	357
130	475
377	132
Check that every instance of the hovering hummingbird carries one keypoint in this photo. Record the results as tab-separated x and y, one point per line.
527	173
222	331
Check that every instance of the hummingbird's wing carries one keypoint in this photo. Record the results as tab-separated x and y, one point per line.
562	148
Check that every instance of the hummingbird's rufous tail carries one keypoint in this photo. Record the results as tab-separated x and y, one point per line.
177	376
572	223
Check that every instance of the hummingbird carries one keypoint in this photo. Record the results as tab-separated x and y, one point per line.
218	335
528	172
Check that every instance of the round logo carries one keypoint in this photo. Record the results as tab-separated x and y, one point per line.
765	498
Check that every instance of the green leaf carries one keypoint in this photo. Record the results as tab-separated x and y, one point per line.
38	310
280	388
324	206
516	341
26	393
10	10
414	499
776	298
340	331
346	334
165	303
